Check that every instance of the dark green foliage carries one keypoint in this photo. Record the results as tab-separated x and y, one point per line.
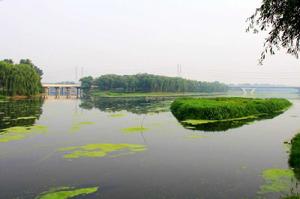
151	83
18	79
225	108
294	160
282	19
86	84
12	110
29	62
142	105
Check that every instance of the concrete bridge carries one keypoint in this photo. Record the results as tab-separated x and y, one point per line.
252	89
62	90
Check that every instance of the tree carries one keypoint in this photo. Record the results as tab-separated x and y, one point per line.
10	61
29	62
19	79
281	18
86	82
150	83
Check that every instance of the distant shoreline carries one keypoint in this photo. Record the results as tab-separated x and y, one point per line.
149	94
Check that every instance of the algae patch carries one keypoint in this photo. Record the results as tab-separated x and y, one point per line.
117	115
101	150
20	132
277	181
77	126
199	122
134	129
66	192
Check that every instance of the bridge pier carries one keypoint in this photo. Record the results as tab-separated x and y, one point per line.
46	92
67	90
78	92
57	92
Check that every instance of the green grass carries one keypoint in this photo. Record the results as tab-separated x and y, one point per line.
226	108
3	98
144	94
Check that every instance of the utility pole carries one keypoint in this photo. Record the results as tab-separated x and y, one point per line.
179	70
81	72
76	74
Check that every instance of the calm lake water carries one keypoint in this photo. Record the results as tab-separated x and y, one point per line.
162	159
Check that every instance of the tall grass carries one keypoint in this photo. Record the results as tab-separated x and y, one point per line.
225	108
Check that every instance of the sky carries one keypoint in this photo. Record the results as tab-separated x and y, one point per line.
98	37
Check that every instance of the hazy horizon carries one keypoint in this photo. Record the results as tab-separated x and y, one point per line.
207	38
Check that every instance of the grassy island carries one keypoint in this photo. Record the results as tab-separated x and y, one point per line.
196	111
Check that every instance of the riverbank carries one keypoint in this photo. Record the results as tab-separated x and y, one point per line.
148	94
220	109
294	160
18	97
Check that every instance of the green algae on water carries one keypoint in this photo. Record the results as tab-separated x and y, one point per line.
77	126
277	181
134	129
20	132
66	192
117	115
101	150
198	122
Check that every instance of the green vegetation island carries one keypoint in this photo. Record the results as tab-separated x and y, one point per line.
143	85
196	111
22	79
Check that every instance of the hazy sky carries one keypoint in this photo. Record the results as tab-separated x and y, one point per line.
141	36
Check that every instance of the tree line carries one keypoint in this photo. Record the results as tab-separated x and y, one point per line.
23	78
149	83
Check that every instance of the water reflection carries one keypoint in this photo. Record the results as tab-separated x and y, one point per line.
133	105
20	113
225	125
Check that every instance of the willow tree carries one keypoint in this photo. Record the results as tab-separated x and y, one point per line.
19	79
281	19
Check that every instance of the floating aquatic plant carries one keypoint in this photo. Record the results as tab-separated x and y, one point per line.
101	150
20	132
277	181
117	115
77	126
198	122
134	129
66	192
